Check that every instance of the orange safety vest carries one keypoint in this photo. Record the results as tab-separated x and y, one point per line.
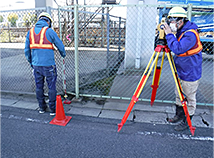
39	41
195	49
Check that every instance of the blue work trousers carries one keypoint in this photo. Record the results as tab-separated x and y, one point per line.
50	74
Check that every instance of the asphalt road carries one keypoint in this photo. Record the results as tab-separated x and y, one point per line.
25	133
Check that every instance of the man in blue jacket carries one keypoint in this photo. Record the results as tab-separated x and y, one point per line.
187	48
39	52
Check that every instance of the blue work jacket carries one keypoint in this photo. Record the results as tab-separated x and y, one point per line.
43	57
189	68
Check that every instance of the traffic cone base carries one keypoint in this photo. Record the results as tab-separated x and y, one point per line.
61	122
60	118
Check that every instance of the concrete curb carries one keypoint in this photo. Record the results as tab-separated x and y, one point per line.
115	109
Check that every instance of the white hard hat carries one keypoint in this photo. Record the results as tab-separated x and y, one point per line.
177	12
45	14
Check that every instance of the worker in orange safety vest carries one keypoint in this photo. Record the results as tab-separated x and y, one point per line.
186	46
40	54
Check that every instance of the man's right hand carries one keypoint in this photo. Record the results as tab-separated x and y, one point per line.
167	29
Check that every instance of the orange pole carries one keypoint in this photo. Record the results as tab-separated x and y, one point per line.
155	85
156	77
138	90
131	105
192	129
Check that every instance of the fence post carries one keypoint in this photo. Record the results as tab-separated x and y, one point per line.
48	9
76	37
189	12
108	29
102	26
119	46
62	59
9	32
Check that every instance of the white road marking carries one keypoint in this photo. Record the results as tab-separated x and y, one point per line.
178	136
173	135
35	120
26	119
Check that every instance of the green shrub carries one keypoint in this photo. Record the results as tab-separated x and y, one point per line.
29	20
12	18
1	18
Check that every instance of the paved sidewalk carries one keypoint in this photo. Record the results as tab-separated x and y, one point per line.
114	109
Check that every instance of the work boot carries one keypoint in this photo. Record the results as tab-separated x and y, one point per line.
183	125
179	115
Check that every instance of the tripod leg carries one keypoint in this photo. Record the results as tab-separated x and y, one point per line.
148	65
156	79
176	76
138	90
180	92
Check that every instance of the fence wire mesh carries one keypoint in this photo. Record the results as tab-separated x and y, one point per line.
113	51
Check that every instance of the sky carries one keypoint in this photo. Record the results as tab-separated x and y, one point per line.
16	4
27	4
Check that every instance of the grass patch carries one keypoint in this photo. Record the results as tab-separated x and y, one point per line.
102	86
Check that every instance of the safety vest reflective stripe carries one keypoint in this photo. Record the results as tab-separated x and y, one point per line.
42	35
41	44
196	48
31	36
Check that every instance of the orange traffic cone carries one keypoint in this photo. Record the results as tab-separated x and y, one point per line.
60	118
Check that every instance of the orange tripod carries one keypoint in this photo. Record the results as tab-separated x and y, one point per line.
156	78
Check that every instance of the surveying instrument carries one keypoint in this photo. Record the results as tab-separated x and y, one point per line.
153	62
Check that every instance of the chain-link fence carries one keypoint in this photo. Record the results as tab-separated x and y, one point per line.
107	47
